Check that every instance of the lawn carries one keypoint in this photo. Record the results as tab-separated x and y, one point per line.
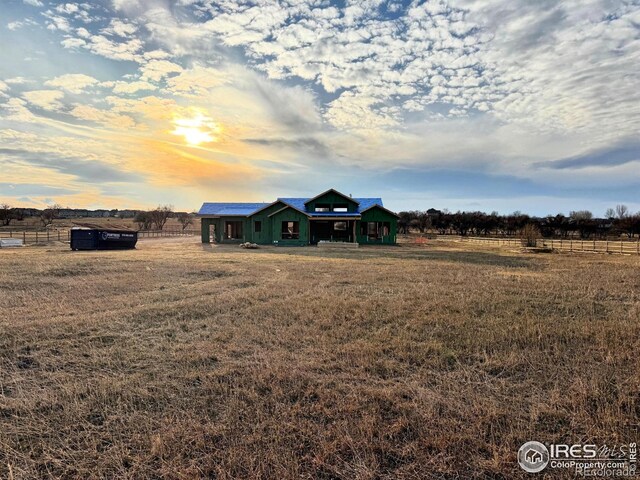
184	361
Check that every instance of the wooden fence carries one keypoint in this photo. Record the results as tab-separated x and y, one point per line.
565	245
64	235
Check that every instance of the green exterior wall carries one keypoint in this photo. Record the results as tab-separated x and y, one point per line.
219	226
290	215
378	215
266	236
332	198
204	229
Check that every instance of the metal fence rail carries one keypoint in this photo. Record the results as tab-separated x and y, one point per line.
565	245
30	237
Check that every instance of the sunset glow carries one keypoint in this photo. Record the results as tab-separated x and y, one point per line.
196	130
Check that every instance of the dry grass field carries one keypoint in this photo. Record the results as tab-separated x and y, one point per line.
182	361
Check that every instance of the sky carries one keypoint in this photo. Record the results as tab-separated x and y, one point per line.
486	105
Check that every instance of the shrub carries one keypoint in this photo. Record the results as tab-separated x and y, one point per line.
530	234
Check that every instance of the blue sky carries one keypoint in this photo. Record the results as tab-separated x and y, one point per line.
474	105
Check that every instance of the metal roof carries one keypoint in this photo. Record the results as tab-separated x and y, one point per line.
241	209
364	203
246	209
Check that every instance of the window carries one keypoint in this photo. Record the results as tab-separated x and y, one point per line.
290	230
340	207
257	226
375	230
372	230
233	230
322	207
340	225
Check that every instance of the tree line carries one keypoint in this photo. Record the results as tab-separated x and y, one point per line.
158	217
146	220
582	223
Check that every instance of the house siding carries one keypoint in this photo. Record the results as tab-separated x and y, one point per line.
376	214
219	224
266	236
290	215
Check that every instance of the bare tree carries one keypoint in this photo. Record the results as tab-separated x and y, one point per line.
18	214
50	213
144	220
185	219
6	214
581	215
160	215
622	211
610	214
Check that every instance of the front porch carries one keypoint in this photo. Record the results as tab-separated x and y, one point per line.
332	230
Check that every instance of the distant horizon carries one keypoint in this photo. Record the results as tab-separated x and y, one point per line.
474	105
194	210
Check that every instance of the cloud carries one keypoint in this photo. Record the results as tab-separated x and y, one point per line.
45	99
72	82
196	80
539	91
67	8
57	22
106	118
156	70
132	87
120	28
124	50
73	43
15	110
33	3
86	170
618	155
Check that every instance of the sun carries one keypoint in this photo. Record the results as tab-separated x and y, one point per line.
196	130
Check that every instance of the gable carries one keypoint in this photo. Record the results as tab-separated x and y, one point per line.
331	196
376	212
269	208
289	207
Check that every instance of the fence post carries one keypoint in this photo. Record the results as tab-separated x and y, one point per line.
24	237
10	234
36	236
571	245
607	245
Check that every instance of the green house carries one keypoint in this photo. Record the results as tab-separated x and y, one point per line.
329	217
